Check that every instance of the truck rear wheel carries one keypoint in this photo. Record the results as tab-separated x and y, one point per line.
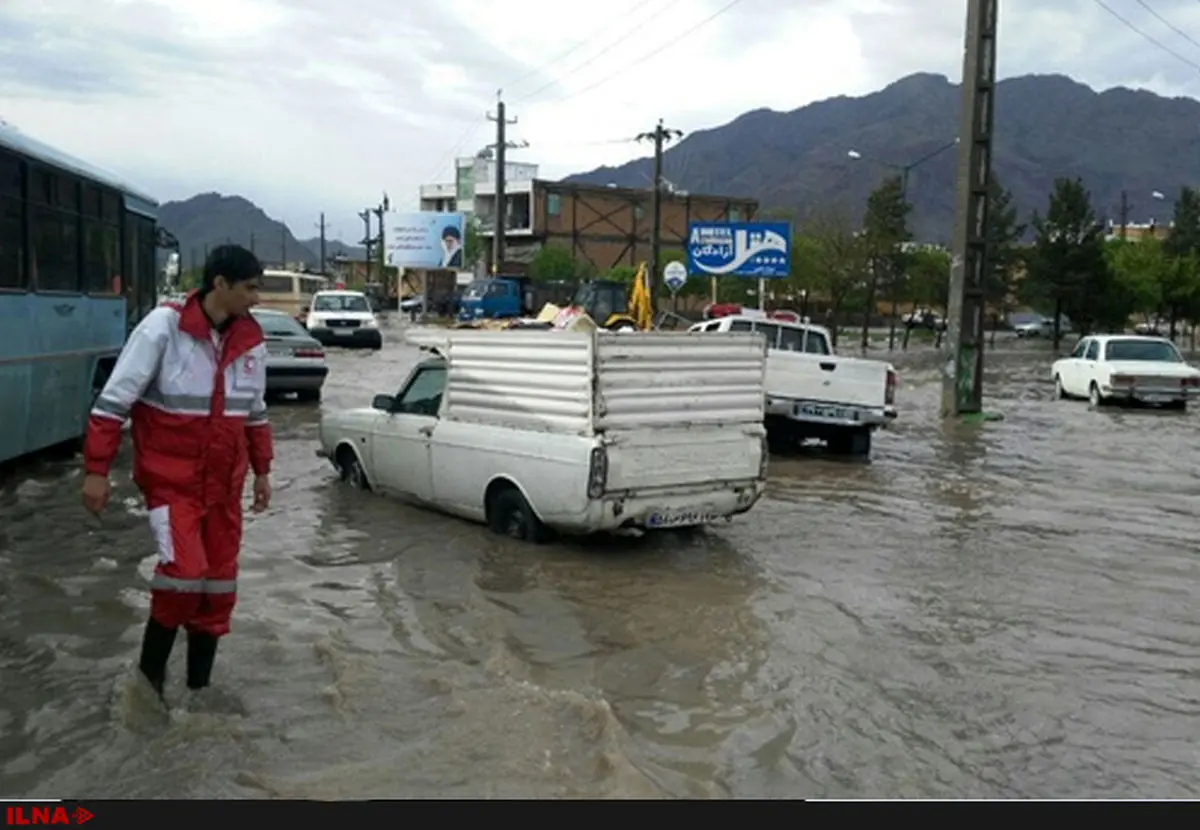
509	514
851	442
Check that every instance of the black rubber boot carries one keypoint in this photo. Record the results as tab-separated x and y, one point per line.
202	650
157	643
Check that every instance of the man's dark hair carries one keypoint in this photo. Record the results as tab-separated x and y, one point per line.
452	232
233	262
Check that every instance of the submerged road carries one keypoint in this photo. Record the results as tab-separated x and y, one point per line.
1008	611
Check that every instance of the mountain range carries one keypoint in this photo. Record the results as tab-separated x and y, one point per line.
1047	126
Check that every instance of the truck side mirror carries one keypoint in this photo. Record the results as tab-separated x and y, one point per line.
383	403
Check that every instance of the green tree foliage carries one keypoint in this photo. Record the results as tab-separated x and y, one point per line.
885	230
554	262
1181	283
831	262
473	244
1068	269
1005	254
928	278
1141	267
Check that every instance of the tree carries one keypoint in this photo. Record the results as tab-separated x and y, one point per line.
1181	282
835	257
473	244
1005	255
885	230
553	263
1068	269
1141	267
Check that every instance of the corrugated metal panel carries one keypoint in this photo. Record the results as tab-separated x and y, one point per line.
669	379
539	380
13	139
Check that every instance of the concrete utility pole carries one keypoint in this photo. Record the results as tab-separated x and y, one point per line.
501	213
367	241
321	229
660	136
379	249
962	386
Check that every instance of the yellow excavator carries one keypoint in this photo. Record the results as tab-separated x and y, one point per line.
612	307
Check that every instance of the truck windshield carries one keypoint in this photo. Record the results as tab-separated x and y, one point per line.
476	290
341	302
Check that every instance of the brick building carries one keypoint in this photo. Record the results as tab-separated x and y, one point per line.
606	227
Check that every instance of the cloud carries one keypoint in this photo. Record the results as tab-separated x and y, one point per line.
318	105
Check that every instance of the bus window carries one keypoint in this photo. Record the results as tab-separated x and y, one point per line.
277	284
12	224
55	249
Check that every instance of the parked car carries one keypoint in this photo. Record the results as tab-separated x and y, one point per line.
924	318
415	302
343	318
1126	369
813	393
295	360
531	431
1031	324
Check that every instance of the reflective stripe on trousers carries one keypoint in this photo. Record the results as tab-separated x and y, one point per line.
193	586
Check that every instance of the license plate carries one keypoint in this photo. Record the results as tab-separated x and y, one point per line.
344	332
1156	398
279	351
680	518
836	413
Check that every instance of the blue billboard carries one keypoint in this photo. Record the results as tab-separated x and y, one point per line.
740	249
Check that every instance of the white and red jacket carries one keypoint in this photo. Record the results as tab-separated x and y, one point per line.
195	395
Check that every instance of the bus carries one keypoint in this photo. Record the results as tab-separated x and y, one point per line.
289	291
78	255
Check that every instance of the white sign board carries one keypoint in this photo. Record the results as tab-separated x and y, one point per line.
675	275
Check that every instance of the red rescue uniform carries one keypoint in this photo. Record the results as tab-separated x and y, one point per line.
195	396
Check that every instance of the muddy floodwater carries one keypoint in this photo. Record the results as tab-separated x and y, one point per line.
1010	610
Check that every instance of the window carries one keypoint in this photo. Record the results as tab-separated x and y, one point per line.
55	250
735	215
1093	351
341	302
497	289
1080	348
553	204
791	340
770	332
741	325
12	225
137	277
274	284
101	256
1159	351
424	394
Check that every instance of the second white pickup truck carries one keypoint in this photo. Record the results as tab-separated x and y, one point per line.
813	393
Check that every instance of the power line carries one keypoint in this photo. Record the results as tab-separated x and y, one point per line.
603	51
1168	23
657	51
1149	38
450	154
564	55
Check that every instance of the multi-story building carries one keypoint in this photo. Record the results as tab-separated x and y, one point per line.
1135	231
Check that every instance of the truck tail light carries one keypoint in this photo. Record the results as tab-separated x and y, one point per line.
597	473
309	353
889	392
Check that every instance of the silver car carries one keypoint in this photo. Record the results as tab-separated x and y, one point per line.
295	361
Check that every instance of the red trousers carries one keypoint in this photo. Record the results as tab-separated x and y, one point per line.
195	581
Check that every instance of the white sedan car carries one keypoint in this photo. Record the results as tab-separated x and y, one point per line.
1112	368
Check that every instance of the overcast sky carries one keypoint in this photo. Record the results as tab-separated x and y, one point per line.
311	105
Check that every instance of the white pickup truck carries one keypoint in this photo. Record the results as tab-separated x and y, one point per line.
569	431
813	393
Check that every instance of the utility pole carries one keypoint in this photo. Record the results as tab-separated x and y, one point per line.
321	228
962	384
367	241
501	213
379	249
1124	212
660	137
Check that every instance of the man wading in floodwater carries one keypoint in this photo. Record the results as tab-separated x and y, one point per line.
192	378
